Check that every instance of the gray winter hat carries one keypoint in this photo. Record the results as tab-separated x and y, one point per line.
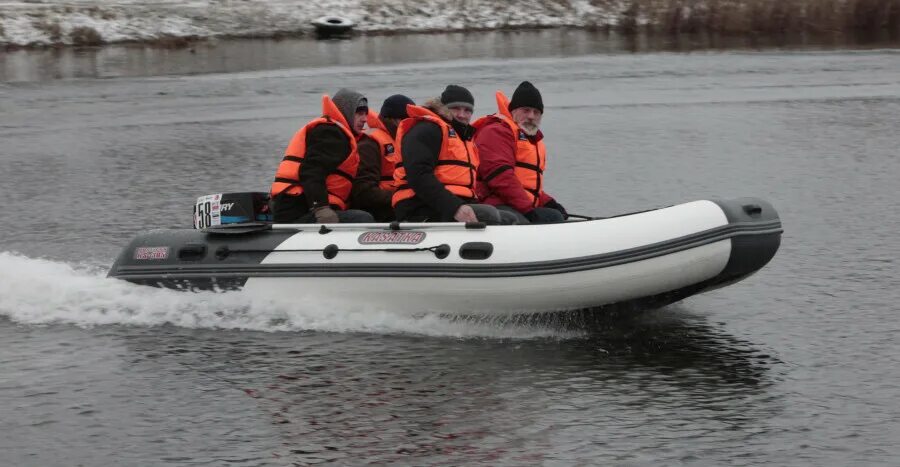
348	101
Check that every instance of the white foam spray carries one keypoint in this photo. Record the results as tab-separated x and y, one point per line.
40	291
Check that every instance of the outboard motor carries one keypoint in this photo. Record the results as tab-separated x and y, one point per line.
231	208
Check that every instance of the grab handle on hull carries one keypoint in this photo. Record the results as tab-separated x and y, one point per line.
476	250
192	252
752	210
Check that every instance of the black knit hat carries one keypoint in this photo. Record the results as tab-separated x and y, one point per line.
395	106
526	95
457	96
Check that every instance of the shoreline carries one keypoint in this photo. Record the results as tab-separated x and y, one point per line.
258	54
188	41
40	24
783	38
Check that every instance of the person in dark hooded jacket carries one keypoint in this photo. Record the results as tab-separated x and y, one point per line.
314	179
374	183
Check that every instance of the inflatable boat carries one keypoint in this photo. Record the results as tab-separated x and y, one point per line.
648	258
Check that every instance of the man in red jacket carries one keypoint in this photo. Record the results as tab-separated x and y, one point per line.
511	147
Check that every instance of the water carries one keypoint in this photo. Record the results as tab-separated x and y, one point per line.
797	365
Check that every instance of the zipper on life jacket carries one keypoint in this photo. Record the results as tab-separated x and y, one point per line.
471	169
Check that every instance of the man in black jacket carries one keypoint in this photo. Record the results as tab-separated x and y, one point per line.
435	186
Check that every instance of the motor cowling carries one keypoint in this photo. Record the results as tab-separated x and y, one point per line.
231	208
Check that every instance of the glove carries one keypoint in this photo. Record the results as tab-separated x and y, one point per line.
465	213
552	204
326	215
531	216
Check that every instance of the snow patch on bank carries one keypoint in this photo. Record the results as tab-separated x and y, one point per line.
45	22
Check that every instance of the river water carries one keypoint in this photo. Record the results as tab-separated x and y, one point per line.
797	365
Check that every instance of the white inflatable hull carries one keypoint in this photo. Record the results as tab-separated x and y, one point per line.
648	258
509	295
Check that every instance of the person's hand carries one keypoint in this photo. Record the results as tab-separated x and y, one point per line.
552	204
326	215
465	213
531	216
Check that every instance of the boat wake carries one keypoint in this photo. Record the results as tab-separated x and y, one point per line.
41	291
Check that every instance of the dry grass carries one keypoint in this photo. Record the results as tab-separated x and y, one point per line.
764	16
84	36
97	12
167	41
52	28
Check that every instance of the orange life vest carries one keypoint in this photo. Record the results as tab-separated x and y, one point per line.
389	156
340	181
456	164
531	158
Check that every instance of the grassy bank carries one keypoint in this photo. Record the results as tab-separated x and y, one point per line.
762	16
55	23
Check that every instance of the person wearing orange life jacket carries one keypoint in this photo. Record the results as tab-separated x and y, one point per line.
374	182
513	157
313	181
436	176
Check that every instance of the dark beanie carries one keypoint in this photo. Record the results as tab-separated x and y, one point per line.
395	106
455	96
526	95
